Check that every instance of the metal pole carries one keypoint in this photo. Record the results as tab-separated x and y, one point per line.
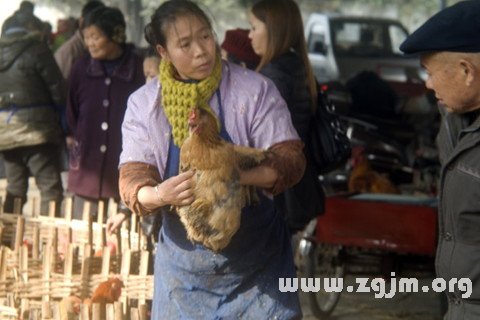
443	4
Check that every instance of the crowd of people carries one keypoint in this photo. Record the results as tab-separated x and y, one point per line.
121	115
97	56
69	100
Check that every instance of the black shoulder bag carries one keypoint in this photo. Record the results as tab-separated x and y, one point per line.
327	139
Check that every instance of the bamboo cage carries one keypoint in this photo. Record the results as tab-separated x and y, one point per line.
44	259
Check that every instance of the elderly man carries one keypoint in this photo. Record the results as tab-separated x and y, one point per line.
449	46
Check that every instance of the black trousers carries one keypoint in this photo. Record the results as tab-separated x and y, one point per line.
43	163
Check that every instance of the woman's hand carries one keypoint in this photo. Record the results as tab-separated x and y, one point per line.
176	191
69	141
114	222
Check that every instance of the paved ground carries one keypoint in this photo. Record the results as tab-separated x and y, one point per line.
363	306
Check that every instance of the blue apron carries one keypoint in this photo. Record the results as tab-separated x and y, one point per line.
239	282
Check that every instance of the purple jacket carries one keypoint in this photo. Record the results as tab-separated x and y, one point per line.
255	115
95	109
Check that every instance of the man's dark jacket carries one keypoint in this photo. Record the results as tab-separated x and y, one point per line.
458	252
32	92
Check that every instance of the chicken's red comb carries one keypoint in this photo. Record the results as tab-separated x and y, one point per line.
193	114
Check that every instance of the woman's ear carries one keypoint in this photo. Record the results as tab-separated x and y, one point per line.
162	52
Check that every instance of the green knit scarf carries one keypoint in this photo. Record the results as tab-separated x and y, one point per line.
179	98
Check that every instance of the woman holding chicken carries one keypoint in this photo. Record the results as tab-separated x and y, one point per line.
191	281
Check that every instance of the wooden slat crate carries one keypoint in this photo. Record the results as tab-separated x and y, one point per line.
45	259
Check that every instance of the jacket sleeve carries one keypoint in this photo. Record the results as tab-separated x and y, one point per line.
271	128
72	101
48	69
133	176
288	160
137	161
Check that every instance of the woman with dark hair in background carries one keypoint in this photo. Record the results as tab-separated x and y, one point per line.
278	38
191	281
99	86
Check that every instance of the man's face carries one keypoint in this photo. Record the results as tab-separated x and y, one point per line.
453	80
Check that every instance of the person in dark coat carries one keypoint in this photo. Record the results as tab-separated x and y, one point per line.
99	87
32	97
277	37
450	52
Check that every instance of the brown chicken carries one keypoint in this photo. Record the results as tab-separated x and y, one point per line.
107	292
214	216
365	180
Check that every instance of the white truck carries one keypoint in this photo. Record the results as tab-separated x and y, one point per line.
341	46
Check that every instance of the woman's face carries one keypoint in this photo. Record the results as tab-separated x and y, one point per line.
190	47
258	34
99	45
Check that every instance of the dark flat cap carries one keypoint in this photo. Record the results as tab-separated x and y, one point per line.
455	29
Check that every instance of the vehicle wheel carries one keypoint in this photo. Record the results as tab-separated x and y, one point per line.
324	261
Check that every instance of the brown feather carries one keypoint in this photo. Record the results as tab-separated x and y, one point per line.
365	180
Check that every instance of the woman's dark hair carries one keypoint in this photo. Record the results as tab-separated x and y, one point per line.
91	6
166	14
283	21
110	21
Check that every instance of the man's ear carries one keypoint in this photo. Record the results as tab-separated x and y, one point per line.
162	52
471	71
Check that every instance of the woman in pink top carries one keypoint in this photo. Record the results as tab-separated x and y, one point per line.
192	282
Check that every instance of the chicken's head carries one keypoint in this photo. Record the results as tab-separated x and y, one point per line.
194	120
116	286
203	123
